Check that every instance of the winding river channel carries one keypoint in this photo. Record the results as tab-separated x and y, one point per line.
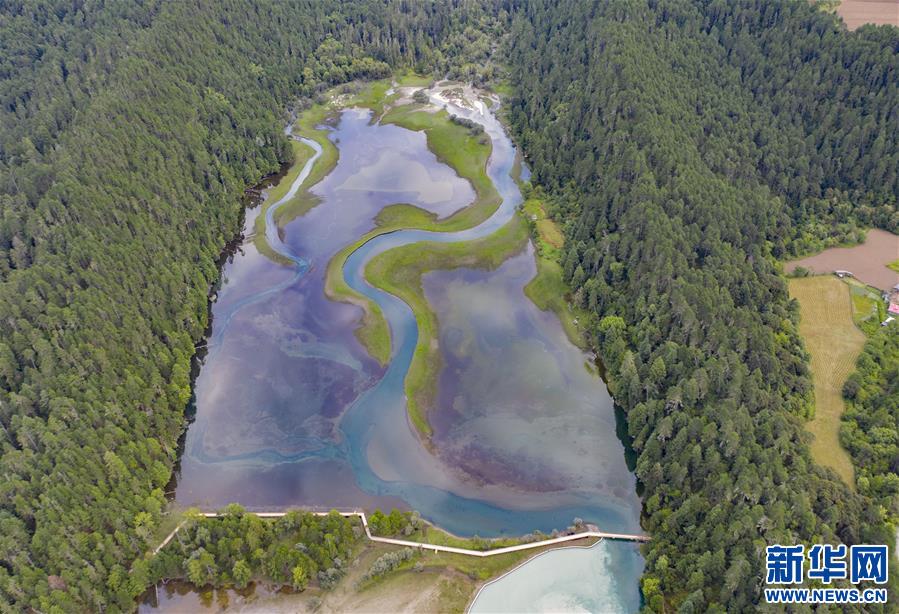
291	411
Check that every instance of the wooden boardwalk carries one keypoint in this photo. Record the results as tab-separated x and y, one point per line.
437	547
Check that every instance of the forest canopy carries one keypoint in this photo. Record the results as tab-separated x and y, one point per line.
128	133
686	147
235	547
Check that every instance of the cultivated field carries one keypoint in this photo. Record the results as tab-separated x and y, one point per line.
856	13
867	262
834	343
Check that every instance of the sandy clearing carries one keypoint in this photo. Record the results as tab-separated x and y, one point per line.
867	262
856	13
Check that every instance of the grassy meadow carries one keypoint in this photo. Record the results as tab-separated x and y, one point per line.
301	155
548	290
467	155
834	342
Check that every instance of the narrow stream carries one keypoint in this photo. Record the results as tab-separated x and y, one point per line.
271	228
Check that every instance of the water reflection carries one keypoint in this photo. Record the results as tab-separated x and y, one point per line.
513	387
291	410
184	597
283	362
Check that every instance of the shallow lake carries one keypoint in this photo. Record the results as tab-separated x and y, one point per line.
283	366
566	580
291	411
513	389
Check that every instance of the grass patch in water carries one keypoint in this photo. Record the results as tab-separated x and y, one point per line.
428	533
373	95
455	146
467	155
399	272
373	331
306	125
301	154
548	290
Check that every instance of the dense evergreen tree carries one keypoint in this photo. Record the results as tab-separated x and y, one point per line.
686	146
871	423
128	133
236	547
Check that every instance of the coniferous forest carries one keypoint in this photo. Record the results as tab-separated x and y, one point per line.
129	133
686	147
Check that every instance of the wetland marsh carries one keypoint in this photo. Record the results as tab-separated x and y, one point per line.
292	409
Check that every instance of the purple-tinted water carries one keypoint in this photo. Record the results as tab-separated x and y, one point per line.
290	410
513	389
283	362
288	395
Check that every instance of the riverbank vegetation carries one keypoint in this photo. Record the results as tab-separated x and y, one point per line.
301	154
407	576
410	526
306	125
685	148
466	156
310	124
684	153
462	150
314	561
548	290
426	582
399	272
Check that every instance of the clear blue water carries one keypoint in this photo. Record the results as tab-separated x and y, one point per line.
566	580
